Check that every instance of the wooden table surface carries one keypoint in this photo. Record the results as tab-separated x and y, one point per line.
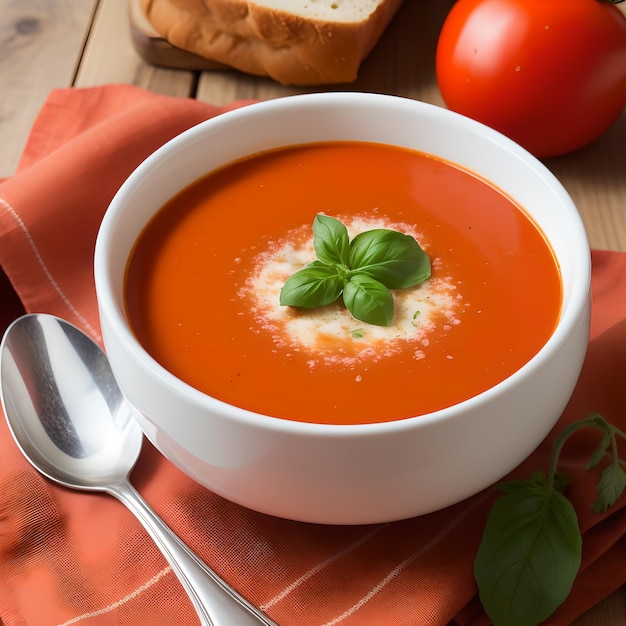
46	44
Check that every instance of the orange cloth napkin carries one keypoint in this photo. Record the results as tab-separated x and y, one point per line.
68	557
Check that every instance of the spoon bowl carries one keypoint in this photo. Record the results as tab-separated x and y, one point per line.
63	406
72	423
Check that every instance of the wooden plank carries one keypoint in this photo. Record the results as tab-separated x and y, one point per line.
594	178
110	56
41	46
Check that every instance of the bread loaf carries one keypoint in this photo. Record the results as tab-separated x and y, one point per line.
297	42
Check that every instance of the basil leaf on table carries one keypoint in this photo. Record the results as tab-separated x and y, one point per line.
529	555
531	547
610	488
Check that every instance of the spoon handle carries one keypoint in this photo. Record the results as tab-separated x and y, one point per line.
216	603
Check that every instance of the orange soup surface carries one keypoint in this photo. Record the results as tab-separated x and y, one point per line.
203	283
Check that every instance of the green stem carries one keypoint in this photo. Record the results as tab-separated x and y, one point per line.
593	421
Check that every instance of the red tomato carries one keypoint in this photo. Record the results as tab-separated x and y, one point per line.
550	74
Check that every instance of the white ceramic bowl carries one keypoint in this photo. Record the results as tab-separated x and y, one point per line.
346	474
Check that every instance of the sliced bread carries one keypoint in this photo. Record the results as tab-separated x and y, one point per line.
297	42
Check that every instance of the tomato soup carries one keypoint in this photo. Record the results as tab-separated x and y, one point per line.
203	284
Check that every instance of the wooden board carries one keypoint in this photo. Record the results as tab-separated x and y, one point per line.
155	49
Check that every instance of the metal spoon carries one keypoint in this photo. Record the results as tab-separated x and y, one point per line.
67	415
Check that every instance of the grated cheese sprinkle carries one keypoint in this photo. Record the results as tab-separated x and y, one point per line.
329	334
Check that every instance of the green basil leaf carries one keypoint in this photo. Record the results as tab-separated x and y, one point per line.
331	240
315	285
392	258
610	487
529	555
364	270
368	300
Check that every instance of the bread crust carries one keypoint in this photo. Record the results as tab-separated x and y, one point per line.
256	39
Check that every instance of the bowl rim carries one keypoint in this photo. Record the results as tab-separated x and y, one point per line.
117	320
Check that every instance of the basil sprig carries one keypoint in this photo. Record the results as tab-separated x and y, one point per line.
363	270
531	547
